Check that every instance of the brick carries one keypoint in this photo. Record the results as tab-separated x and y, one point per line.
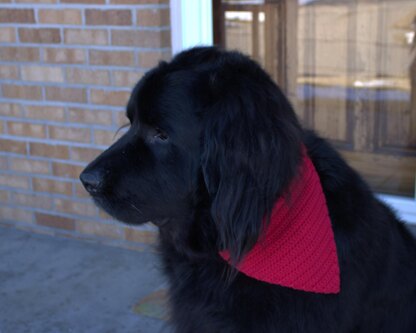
77	95
86	37
54	221
65	16
14	181
4	196
109	97
26	129
29	166
16	15
11	146
3	163
15	215
84	154
32	200
19	54
51	151
141	236
126	78
52	186
84	1
75	207
86	76
89	116
151	59
80	191
40	36
22	92
42	74
54	113
9	72
7	34
10	109
100	229
65	56
153	17
67	170
138	2
141	38
69	134
108	17
35	1
120	58
104	138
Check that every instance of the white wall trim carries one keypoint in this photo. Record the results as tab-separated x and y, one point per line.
191	24
404	207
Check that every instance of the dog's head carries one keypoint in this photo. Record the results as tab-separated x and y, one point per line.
208	126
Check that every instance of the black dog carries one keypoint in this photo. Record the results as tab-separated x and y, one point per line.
213	144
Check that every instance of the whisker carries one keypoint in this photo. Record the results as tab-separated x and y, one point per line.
119	129
132	205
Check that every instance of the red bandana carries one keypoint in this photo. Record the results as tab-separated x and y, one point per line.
298	250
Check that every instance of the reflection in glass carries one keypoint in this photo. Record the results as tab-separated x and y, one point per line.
349	68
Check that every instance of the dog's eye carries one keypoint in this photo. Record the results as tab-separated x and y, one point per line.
160	135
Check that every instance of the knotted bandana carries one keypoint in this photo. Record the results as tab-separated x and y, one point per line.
297	250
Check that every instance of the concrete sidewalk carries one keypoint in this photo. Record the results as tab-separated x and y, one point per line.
51	284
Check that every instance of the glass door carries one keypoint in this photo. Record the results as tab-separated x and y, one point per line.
349	69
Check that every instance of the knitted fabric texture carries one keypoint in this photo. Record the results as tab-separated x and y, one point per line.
298	248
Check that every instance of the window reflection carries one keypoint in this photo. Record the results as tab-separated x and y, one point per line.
349	68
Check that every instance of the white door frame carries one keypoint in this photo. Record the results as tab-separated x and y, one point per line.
191	25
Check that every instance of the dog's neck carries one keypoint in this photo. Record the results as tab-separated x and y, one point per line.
297	249
193	237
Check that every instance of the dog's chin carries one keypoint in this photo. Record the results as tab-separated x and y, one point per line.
127	213
121	211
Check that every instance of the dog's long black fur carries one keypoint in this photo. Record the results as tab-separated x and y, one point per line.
212	144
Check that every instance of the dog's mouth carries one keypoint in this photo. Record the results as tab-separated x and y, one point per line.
121	210
127	212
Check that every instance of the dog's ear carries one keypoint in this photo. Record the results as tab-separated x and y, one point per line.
251	150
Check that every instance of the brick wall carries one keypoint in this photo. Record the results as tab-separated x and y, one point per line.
66	71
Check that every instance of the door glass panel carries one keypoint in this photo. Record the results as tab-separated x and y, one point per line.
349	69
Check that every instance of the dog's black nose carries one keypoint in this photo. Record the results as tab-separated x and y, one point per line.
92	180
